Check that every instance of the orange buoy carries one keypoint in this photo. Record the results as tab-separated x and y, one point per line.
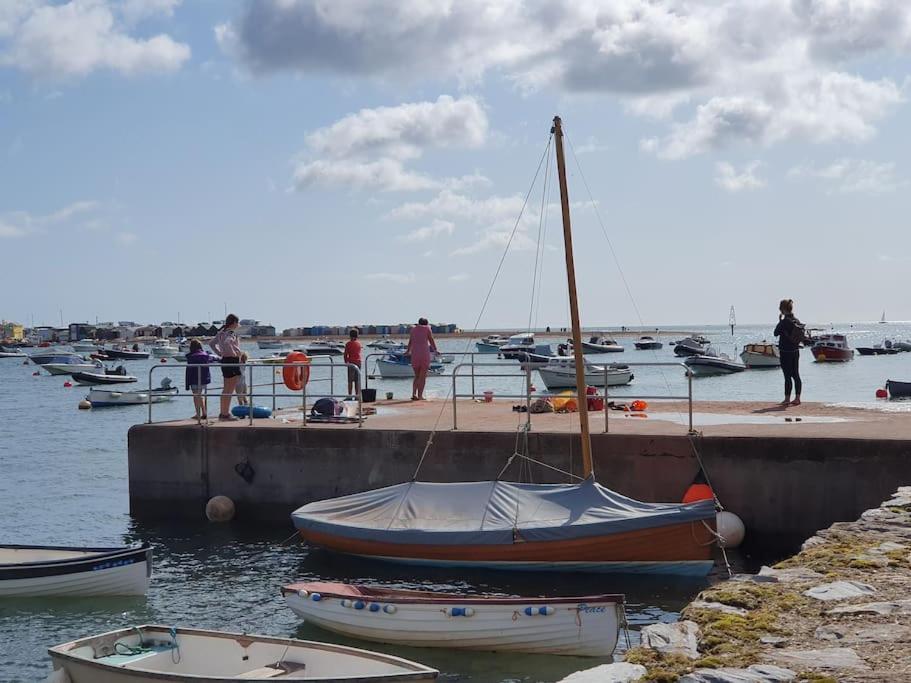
882	393
638	405
698	492
296	376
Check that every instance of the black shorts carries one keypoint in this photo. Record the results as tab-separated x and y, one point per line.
353	375
227	373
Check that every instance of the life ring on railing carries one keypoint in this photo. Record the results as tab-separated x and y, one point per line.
296	376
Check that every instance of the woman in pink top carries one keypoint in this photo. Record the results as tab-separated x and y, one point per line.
421	347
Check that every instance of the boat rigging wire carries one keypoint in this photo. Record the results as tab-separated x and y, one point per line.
477	322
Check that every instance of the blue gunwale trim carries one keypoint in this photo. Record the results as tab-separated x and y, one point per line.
105	558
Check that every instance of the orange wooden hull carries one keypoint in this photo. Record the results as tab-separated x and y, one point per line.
683	544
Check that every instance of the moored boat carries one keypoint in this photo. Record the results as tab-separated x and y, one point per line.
646	342
583	626
106	398
902	345
4	353
713	363
271	344
70	368
398	366
59	357
828	348
154	654
163	348
560	373
491	343
691	346
324	347
117	376
761	355
516	344
598	344
384	343
84	346
124	353
35	571
898	389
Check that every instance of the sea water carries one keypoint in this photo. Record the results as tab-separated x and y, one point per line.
64	482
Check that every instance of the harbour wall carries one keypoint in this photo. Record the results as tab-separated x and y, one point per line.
785	488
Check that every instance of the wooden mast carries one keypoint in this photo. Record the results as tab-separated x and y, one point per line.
587	468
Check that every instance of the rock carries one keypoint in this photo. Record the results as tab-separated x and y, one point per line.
758	673
812	542
774	641
619	672
839	590
790	574
829	658
679	638
865	561
901	499
888	547
881	608
830	632
720	607
875	633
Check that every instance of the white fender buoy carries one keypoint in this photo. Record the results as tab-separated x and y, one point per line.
730	529
220	509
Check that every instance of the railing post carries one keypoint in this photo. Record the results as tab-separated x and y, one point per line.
150	393
455	425
272	371
332	374
606	407
360	398
689	379
249	392
304	405
527	397
472	380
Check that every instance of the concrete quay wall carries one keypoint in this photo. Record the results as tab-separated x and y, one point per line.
780	486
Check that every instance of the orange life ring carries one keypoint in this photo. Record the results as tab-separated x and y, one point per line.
296	376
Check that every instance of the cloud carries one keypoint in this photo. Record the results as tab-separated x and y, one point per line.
852	176
711	73
59	41
134	11
459	277
368	149
126	238
729	178
396	278
22	223
436	228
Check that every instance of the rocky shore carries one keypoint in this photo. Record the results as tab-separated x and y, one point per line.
839	610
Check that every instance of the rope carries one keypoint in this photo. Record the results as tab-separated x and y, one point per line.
493	282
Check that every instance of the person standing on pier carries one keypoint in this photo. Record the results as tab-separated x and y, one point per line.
226	345
353	357
197	378
790	333
421	347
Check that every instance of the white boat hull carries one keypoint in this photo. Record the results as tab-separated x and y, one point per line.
12	354
712	367
581	630
565	378
759	360
102	398
166	352
153	654
391	370
70	368
131	579
487	348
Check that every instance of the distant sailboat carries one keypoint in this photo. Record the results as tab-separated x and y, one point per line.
882	321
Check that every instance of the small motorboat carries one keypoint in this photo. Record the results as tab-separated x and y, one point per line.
324	347
6	353
271	344
398	366
887	348
691	346
70	368
491	343
446	358
829	348
45	357
598	344
384	343
517	343
124	353
645	343
540	357
101	355
902	345
760	355
117	376
560	373
898	389
713	363
586	626
154	654
163	348
28	571
107	398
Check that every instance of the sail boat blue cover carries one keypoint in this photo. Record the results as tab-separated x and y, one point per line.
490	512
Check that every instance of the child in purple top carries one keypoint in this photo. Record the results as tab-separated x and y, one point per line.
198	378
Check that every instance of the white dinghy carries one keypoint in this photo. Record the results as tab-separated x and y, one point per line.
28	571
152	654
579	626
560	373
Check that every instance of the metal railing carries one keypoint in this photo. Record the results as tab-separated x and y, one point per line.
456	354
249	368
527	369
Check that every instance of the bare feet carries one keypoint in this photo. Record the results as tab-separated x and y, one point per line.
785	403
415	398
796	401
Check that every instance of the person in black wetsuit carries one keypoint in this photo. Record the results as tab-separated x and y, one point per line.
789	350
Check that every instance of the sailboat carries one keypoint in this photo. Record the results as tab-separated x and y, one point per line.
581	526
882	321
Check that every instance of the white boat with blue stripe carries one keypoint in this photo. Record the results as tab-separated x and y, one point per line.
585	626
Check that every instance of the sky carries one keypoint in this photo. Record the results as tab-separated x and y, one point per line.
344	161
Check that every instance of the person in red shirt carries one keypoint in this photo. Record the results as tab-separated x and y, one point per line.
353	357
